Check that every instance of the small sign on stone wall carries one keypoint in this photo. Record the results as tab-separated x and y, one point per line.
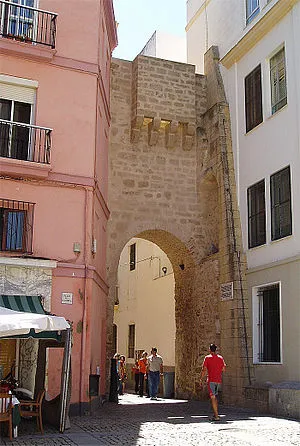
226	290
67	298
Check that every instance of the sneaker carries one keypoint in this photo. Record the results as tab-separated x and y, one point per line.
214	419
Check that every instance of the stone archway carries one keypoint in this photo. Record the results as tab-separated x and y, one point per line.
171	181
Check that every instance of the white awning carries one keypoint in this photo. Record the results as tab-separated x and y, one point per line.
14	323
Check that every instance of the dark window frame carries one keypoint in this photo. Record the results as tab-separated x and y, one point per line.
253	99
269	324
132	257
256	201
281	204
15	139
11	231
131	340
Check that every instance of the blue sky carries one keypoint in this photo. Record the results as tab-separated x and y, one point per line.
138	19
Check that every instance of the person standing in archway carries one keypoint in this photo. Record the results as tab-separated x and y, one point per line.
143	375
213	365
155	370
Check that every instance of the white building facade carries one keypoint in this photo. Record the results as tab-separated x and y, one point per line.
259	46
166	46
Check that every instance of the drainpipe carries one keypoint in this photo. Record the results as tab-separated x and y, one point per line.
84	309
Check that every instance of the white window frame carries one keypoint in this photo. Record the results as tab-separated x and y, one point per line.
256	324
18	18
253	10
274	53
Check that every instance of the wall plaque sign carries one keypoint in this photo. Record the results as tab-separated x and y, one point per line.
67	298
226	290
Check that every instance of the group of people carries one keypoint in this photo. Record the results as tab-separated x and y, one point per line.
147	371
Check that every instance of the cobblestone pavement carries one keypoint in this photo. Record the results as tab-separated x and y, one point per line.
140	422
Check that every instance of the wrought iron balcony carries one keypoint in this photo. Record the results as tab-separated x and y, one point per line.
25	142
27	24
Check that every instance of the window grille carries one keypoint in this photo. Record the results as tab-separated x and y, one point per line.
269	324
16	226
21	21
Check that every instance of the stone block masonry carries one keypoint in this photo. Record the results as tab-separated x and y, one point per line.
171	181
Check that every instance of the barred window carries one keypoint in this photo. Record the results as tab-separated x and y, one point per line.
256	215
269	323
278	81
281	208
253	99
131	341
16	226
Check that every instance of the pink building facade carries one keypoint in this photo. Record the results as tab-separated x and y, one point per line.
54	125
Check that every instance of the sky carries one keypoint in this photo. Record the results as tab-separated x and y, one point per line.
138	19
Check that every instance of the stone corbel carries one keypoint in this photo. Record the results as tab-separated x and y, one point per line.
153	131
136	126
188	136
171	134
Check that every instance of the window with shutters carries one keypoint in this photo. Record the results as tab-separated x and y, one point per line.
256	215
132	257
16	226
252	9
131	341
19	138
253	99
278	81
267	329
281	208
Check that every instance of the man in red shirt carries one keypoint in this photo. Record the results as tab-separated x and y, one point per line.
213	366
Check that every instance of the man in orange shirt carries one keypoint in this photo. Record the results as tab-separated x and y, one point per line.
213	365
143	363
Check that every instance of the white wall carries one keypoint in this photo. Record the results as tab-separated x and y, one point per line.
275	143
166	46
150	47
213	24
217	22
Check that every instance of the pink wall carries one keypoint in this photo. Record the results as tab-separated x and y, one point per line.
72	98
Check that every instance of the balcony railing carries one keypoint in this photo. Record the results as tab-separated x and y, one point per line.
25	142
27	24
